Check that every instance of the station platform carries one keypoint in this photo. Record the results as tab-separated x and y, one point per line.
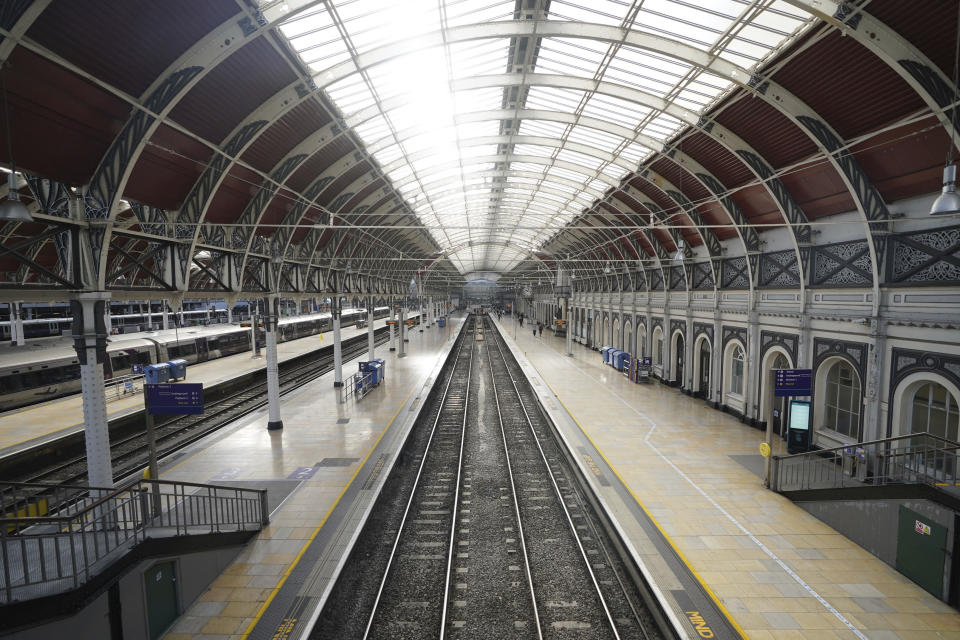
673	468
327	454
33	425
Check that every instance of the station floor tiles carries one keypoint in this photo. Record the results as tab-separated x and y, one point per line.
321	448
777	571
32	425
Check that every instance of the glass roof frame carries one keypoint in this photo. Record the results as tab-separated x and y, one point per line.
406	76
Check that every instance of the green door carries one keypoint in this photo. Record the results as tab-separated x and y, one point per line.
921	550
161	591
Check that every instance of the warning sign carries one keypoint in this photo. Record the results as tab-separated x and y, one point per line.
921	528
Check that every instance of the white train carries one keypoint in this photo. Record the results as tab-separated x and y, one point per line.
28	376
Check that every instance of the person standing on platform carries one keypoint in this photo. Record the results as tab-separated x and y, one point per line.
534	327
520	317
540	328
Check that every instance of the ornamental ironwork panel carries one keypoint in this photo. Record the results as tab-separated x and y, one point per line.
789	341
656	280
734	273
703	275
703	329
677	280
907	361
734	333
855	352
925	257
678	325
780	270
654	323
845	264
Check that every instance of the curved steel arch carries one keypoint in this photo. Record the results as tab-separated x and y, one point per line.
805	5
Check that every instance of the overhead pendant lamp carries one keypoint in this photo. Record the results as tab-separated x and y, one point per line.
949	200
10	207
679	255
606	269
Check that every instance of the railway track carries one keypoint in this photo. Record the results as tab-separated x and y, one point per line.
484	529
128	450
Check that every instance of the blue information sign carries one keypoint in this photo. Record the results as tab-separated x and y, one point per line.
136	368
646	361
792	382
174	399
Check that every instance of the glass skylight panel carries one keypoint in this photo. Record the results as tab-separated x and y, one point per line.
662	127
570	57
473	11
611	12
388	155
471	100
579	158
478	57
606	107
595	138
532	150
542	128
553	99
372	23
351	94
567	173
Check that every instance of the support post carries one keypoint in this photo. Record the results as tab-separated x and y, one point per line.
166	315
371	347
403	332
17	337
274	422
569	325
90	342
393	327
337	347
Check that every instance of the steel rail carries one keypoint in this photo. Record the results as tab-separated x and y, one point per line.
560	498
416	484
513	490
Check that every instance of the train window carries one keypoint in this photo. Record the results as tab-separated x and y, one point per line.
72	372
9	384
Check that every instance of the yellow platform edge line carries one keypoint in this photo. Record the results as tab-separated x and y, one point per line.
296	561
683	558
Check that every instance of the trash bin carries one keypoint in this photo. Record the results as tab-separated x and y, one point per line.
178	369
156	373
621	360
606	354
441	321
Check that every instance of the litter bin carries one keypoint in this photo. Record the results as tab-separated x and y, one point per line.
606	354
178	369
156	373
441	321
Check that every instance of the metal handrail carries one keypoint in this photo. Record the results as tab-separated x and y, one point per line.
49	553
911	436
919	458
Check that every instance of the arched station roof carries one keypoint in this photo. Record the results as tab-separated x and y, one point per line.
237	146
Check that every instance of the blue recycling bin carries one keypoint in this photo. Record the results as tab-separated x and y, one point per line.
619	357
615	358
156	373
382	369
606	354
441	321
178	369
374	369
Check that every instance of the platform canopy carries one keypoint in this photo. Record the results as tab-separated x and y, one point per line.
242	146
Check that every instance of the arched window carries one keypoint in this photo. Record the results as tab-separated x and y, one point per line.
842	406
657	346
736	370
933	409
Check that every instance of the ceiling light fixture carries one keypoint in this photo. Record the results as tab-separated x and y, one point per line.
679	255
949	201
606	269
11	208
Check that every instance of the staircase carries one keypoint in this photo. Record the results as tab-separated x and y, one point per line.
46	553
